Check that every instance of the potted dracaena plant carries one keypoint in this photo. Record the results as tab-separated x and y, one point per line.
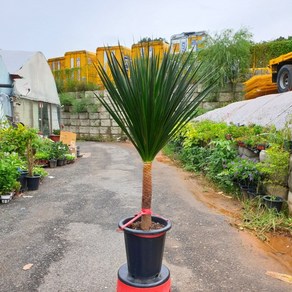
151	98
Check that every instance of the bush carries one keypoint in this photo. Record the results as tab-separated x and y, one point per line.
66	99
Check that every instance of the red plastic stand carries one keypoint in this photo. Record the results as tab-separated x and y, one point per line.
127	284
122	287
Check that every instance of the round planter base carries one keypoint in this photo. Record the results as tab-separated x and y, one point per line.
126	283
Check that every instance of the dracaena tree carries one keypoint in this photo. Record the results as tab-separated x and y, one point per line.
151	98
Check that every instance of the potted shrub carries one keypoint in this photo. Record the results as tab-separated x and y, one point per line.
53	154
70	158
150	104
8	176
31	140
274	169
61	151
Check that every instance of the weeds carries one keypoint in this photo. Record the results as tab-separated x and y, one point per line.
263	220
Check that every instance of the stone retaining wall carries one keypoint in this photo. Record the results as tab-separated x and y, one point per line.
99	126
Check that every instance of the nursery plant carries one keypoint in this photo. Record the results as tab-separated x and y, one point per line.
151	102
9	172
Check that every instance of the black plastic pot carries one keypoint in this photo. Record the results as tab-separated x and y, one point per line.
22	180
53	163
288	145
273	202
144	249
61	162
33	182
243	190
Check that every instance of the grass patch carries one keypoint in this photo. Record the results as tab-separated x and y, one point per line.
263	220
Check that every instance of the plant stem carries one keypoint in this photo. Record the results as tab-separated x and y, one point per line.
146	194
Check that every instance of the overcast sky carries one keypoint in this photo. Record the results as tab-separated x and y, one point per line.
57	26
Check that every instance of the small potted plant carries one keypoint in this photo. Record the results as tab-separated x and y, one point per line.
61	151
274	202
70	158
55	136
53	154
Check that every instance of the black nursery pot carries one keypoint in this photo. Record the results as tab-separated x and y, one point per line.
273	203
33	182
144	249
22	180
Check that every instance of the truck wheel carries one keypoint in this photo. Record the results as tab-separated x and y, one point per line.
284	80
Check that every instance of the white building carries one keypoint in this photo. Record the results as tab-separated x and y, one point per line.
26	80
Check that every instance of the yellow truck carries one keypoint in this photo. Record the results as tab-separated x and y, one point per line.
281	68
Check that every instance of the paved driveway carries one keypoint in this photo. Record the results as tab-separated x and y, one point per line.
66	229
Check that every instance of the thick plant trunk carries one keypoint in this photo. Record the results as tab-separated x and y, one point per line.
146	195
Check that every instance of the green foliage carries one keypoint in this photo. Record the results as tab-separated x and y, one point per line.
230	52
148	39
242	170
65	82
69	157
84	105
203	146
58	150
38	170
263	52
221	153
153	102
9	165
275	167
263	220
66	99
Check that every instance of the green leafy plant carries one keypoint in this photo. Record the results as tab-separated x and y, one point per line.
151	103
230	51
9	165
58	150
66	99
38	170
56	131
275	167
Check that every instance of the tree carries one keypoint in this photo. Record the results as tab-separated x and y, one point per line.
151	103
229	51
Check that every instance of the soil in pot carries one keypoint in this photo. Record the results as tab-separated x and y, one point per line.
144	249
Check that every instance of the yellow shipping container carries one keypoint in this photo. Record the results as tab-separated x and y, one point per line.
79	66
118	51
56	64
187	41
156	48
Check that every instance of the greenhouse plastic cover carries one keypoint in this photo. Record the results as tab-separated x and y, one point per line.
267	110
34	80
